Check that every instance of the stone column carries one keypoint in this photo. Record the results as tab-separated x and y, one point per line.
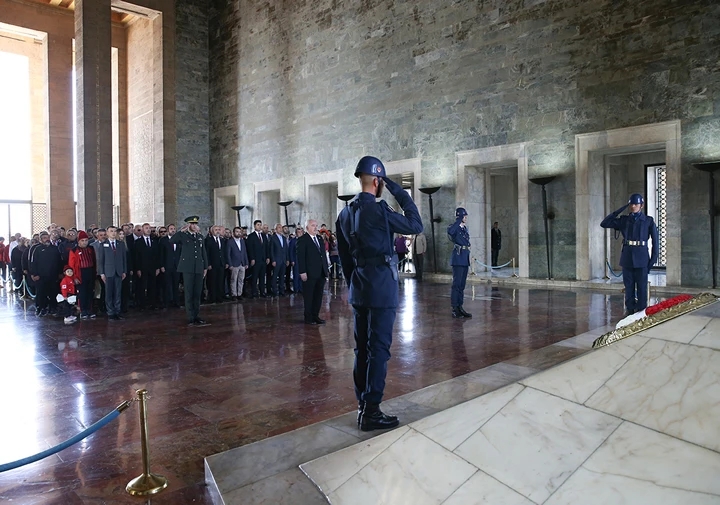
94	112
59	158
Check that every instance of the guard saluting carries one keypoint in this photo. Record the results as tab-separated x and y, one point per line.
460	261
365	232
193	267
635	259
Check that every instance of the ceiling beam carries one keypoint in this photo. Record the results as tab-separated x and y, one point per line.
55	3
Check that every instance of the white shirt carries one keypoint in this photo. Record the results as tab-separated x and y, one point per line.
238	241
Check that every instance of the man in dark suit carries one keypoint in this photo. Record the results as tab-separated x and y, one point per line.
112	268
146	260
279	259
237	259
215	250
495	243
297	283
169	258
313	269
258	258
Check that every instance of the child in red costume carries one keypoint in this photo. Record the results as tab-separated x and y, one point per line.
67	296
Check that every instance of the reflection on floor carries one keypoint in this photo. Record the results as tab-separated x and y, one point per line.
637	422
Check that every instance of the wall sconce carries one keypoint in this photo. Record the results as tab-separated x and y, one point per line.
711	167
238	208
285	205
346	198
429	192
543	181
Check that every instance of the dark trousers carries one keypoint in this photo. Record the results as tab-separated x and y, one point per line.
64	309
172	288
86	290
635	280
458	286
312	296
258	277
269	276
278	284
216	284
47	290
145	290
419	264
17	279
160	291
495	253
125	294
297	281
113	294
373	337
193	285
288	269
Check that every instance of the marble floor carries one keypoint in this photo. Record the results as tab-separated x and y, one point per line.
636	422
256	372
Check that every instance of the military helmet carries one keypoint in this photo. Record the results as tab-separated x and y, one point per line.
371	166
460	212
635	199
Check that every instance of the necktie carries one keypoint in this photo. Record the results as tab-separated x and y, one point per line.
113	245
147	241
260	237
317	244
217	239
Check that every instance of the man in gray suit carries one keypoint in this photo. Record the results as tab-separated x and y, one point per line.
236	256
112	268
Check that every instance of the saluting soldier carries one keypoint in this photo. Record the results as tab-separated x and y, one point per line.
193	266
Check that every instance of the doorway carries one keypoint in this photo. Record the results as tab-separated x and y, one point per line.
504	211
268	209
323	205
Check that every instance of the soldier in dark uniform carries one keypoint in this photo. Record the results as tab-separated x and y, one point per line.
365	231
460	261
193	266
635	259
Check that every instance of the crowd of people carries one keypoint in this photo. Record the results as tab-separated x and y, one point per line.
112	270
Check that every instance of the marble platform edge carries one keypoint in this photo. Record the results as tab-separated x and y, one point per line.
408	410
565	285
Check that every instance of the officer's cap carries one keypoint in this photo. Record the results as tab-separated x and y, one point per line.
192	219
460	212
371	166
635	199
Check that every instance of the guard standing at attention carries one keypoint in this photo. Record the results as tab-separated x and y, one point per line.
193	266
365	231
460	261
635	259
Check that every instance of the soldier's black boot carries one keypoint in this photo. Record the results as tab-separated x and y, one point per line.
456	313
464	314
372	418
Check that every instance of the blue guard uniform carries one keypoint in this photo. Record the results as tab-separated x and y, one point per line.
460	261
635	258
365	231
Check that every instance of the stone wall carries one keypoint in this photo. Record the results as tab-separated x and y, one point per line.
299	87
192	111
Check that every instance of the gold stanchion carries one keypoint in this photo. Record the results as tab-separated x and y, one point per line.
147	483
607	278
513	268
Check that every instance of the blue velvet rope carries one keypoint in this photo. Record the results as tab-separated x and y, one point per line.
488	266
64	445
612	271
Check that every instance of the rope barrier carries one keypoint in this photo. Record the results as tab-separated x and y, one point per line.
493	268
612	271
64	445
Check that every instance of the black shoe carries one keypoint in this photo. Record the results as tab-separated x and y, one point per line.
310	322
372	418
457	314
118	317
201	322
319	321
465	314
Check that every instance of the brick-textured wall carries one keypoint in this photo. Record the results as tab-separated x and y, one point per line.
305	86
192	111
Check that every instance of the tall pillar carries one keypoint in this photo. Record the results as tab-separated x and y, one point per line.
59	158
94	112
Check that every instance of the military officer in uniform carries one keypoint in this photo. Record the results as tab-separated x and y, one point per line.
460	261
193	266
365	231
635	259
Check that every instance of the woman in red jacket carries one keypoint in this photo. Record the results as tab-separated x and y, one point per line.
82	261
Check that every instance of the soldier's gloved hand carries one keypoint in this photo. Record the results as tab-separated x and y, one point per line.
393	187
619	211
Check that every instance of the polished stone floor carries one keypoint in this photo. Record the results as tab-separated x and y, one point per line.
256	372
